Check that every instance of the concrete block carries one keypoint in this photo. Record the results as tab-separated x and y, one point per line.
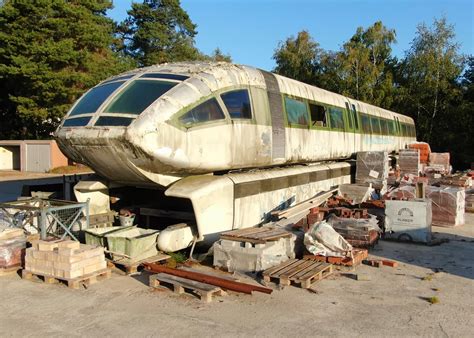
69	244
249	257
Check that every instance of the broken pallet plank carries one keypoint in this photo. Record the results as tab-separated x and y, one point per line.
205	291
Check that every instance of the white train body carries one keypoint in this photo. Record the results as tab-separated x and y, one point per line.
173	126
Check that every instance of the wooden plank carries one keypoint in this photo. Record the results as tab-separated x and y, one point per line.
314	265
187	283
246	231
268	234
274	269
243	239
304	265
310	274
278	273
211	273
308	204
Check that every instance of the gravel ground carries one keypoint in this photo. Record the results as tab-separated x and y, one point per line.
394	302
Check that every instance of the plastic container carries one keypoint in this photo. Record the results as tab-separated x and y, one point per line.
96	236
134	243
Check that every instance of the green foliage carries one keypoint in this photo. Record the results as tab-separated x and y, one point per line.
51	51
158	31
217	56
426	84
298	58
429	75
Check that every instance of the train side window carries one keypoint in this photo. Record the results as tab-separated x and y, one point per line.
391	127
318	115
384	126
366	124
374	121
336	117
237	103
350	116
207	111
296	112
356	120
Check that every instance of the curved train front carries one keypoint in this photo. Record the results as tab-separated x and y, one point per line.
172	126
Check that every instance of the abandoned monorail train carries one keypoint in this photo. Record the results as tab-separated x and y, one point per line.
236	141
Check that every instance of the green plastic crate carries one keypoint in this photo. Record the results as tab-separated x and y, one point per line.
134	243
96	236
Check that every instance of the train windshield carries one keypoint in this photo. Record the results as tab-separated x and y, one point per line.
94	98
137	96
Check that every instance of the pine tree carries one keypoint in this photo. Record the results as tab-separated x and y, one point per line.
51	51
158	31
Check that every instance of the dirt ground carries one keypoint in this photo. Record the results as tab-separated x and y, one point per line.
395	302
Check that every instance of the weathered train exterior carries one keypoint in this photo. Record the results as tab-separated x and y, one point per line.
187	127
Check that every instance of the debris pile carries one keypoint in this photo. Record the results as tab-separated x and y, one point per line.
12	249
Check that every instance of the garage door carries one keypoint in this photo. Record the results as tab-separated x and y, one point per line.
38	157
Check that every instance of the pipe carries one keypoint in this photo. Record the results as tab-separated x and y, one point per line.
208	279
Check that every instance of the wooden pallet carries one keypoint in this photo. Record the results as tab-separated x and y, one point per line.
179	284
132	266
73	283
299	271
256	235
358	256
9	270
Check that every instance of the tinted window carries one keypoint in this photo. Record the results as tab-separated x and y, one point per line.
391	127
318	115
366	124
207	111
296	112
336	117
77	122
238	104
137	96
165	76
94	98
375	125
125	77
113	121
384	126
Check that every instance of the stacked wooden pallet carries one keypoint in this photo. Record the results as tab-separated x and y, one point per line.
65	260
299	271
256	235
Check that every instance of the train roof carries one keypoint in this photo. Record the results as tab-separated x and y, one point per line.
218	75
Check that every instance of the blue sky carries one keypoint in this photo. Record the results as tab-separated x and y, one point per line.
250	30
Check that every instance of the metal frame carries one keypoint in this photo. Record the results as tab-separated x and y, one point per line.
54	217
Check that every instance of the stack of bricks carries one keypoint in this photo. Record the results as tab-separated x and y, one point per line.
372	167
64	259
440	161
409	162
448	205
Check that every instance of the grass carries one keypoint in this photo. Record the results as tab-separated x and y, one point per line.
176	258
428	277
433	300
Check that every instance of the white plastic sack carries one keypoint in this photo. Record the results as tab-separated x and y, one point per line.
322	239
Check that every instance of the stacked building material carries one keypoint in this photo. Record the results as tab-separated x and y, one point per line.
448	205
405	193
12	248
64	259
254	249
424	149
360	233
409	162
372	167
470	200
408	220
440	161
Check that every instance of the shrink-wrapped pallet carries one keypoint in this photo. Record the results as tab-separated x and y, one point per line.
424	149
440	161
372	167
409	162
12	247
448	205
